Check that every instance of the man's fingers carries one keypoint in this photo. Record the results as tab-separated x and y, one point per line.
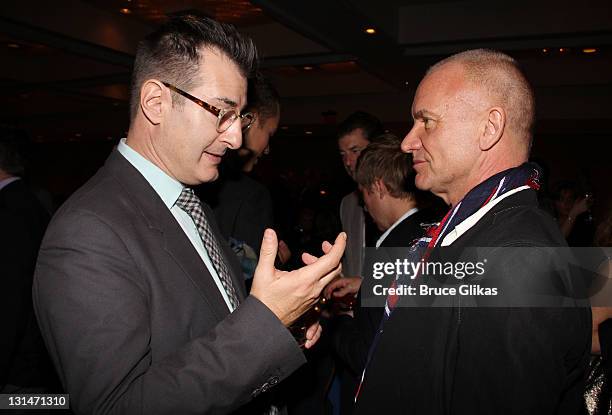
329	290
312	335
327	262
327	278
308	258
342	291
326	247
284	253
333	286
267	253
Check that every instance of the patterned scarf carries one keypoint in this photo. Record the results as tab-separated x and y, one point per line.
469	211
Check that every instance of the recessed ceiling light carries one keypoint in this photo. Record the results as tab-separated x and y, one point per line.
308	132
370	30
545	50
308	68
125	10
589	50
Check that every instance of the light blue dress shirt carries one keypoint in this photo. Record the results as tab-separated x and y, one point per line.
169	190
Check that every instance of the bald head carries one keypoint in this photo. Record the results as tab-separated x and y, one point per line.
473	115
500	79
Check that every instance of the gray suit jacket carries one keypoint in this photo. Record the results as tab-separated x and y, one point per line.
131	316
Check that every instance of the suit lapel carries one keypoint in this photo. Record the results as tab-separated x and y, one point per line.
173	238
178	246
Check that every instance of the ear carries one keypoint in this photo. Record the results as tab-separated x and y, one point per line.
379	188
494	128
153	100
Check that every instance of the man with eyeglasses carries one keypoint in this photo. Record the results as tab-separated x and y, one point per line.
140	301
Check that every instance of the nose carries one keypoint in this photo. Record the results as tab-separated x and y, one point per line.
345	160
351	160
411	142
233	136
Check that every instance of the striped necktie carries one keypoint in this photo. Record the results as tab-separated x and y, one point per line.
191	204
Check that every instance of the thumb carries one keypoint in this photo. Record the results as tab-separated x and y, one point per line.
267	253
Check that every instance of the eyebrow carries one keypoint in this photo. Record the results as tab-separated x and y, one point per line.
351	148
420	114
227	101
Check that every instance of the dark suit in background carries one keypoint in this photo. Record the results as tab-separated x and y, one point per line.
23	360
242	206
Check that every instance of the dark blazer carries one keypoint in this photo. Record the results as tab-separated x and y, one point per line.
131	316
22	224
352	336
468	360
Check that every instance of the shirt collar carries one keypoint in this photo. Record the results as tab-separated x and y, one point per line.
397	222
167	188
7	181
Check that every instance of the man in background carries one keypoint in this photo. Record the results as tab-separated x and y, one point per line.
24	365
354	134
386	181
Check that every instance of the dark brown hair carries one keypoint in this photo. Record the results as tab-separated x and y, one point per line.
371	126
172	53
262	98
383	159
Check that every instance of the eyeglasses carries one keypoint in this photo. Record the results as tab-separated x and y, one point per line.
225	117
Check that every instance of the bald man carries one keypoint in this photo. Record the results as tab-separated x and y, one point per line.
473	116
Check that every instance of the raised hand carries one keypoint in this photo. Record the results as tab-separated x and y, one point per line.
289	294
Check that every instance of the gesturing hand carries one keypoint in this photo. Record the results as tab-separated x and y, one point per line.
289	294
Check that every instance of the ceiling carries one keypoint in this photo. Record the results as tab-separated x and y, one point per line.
66	63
